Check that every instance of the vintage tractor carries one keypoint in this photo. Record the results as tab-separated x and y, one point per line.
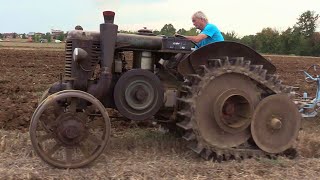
224	97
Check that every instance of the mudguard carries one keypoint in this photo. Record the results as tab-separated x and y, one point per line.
220	49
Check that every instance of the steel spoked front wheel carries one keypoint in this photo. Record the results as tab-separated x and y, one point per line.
75	134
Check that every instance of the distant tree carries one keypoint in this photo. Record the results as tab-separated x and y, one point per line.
305	46
268	40
286	42
290	42
43	36
316	44
182	31
61	37
24	36
48	37
249	40
307	23
156	32
127	32
168	30
301	39
1	35
300	45
192	32
14	35
36	38
231	36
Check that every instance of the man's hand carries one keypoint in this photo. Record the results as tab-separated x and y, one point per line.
191	38
196	38
178	35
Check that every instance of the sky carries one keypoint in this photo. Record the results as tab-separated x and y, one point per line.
244	17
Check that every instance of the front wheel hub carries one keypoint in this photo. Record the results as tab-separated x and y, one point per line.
141	94
71	130
138	94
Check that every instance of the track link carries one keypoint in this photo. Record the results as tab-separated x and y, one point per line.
268	84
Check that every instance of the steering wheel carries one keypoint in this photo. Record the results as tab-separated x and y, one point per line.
314	72
179	35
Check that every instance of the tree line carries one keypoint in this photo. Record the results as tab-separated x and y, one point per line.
38	37
300	39
48	37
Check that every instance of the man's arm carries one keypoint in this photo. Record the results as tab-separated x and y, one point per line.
197	38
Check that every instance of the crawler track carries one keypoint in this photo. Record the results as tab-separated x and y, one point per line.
235	145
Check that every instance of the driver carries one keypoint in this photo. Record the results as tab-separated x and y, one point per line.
209	32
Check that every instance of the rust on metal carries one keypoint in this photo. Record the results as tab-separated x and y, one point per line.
227	85
233	110
71	129
275	123
222	131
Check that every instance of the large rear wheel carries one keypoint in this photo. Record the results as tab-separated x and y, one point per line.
223	110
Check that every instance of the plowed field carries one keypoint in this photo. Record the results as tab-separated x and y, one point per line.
135	153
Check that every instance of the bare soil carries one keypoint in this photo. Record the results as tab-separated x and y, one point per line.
135	152
25	74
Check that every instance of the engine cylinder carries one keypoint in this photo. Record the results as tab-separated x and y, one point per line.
143	60
146	60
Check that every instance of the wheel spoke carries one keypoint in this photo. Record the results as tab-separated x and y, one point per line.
48	118
73	105
55	109
45	137
53	149
84	150
48	125
91	110
69	154
58	109
94	139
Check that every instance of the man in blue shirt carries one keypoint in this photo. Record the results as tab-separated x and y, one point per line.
209	32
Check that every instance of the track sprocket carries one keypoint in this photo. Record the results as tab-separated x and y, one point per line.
210	128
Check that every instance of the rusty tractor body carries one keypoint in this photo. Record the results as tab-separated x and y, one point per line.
224	96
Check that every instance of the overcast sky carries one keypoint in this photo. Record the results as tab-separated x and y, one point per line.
245	17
